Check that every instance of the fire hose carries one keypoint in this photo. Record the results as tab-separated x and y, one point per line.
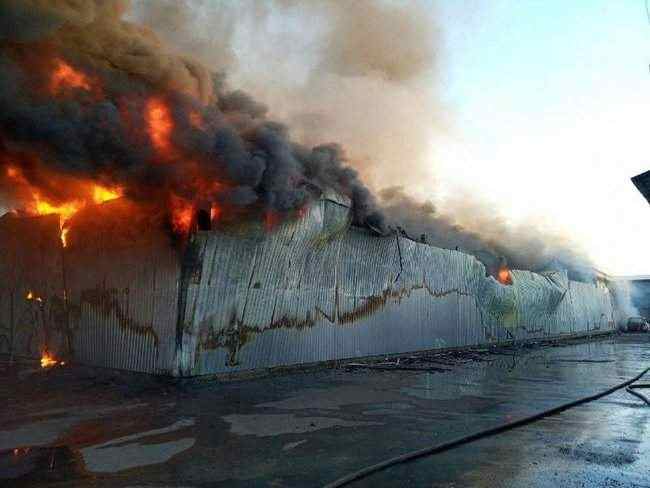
500	429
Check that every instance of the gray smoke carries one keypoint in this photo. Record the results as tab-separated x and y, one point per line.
523	247
360	73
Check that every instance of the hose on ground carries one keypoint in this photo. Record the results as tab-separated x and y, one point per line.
447	446
630	389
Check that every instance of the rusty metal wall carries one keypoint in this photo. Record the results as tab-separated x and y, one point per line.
316	290
30	261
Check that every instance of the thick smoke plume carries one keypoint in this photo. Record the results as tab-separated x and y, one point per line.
490	238
85	94
364	74
360	73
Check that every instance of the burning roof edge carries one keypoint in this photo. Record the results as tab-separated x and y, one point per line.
342	200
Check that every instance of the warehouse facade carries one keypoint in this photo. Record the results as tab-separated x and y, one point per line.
313	289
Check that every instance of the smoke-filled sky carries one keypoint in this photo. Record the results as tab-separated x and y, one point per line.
510	127
550	103
522	121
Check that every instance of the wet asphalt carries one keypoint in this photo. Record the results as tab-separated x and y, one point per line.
80	426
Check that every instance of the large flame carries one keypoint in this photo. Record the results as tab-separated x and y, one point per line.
102	194
100	99
182	214
66	210
65	76
43	191
159	125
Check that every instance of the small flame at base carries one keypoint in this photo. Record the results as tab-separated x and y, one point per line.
32	296
47	360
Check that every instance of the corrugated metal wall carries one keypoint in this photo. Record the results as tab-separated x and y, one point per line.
30	261
315	290
122	276
312	290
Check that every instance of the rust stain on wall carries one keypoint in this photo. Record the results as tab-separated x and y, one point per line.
105	302
237	334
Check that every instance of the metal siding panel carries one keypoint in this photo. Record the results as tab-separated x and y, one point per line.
312	290
30	260
311	294
123	278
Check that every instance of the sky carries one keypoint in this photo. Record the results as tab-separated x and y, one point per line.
549	104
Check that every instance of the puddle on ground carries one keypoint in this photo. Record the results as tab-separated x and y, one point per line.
123	453
28	465
333	398
118	458
264	425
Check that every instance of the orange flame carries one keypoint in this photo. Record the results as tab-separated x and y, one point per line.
16	175
31	296
64	236
47	360
182	213
215	212
102	194
503	276
66	210
87	191
159	124
65	76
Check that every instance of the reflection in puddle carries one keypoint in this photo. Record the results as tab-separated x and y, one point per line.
40	464
122	453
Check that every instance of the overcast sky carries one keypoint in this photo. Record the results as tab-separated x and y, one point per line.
550	105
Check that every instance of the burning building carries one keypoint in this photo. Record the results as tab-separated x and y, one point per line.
162	223
315	288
